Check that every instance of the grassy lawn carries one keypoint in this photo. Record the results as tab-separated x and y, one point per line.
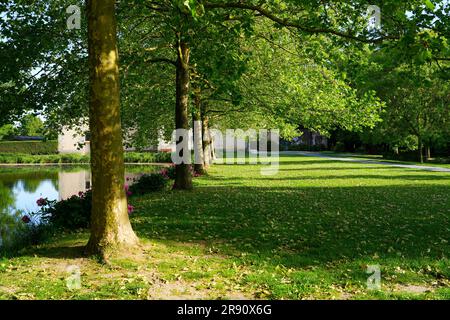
308	232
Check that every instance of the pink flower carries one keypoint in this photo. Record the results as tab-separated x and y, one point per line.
26	219
127	190
41	202
130	209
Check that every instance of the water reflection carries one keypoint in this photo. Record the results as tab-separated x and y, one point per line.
21	187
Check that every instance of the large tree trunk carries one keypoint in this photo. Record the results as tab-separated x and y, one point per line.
420	151
198	134
428	152
110	225
183	177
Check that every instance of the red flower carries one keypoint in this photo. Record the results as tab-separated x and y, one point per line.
41	202
130	209
26	219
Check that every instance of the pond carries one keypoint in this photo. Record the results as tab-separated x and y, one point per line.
20	187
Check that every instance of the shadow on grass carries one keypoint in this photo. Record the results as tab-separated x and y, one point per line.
52	251
299	227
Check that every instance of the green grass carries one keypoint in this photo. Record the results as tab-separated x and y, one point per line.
308	232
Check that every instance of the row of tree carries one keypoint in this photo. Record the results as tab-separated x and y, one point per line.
270	63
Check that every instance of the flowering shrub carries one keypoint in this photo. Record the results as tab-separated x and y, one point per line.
169	172
72	213
20	230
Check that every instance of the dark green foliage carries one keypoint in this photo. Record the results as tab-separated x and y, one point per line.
29	147
70	214
150	183
169	172
302	147
25	236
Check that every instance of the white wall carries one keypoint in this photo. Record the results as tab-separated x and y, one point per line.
69	142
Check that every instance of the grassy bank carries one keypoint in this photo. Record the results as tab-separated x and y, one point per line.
308	232
130	157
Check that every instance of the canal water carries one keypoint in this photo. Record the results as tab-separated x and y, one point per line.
21	187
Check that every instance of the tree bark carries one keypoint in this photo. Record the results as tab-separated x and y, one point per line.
428	152
207	156
183	177
198	135
213	151
110	224
420	151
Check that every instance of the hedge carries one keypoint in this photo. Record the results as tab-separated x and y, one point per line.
130	157
148	157
29	147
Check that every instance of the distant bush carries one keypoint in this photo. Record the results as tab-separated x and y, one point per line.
29	147
150	183
339	147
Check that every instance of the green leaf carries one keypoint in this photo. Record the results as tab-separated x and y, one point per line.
430	5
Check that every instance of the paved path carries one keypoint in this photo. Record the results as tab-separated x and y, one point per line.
349	159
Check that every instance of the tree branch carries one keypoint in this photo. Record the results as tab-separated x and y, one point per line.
293	24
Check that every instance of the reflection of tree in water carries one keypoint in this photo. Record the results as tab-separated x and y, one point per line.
8	221
30	180
6	197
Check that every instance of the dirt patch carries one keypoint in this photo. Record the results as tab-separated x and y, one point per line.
416	289
8	290
183	290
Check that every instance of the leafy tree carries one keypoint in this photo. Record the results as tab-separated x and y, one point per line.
288	85
7	130
30	125
44	69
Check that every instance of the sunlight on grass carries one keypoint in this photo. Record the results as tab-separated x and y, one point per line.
308	232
